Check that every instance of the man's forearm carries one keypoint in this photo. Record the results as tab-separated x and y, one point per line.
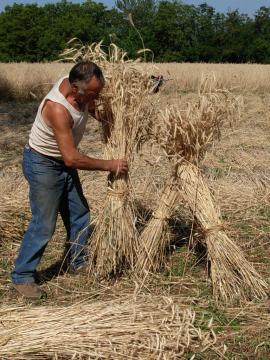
84	162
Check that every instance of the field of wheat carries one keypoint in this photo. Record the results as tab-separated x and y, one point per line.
237	171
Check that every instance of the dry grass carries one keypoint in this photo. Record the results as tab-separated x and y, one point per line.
147	328
14	208
237	77
237	171
29	81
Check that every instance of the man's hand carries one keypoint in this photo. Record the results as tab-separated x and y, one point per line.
118	167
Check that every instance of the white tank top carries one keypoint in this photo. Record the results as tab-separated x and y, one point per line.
42	138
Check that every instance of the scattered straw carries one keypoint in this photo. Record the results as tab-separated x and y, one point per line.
149	328
14	209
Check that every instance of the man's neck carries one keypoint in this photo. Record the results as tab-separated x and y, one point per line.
65	89
75	102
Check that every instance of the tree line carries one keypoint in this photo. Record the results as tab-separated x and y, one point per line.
173	30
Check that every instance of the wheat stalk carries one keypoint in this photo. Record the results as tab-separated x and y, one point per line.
148	328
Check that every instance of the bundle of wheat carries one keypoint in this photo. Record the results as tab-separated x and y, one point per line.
123	108
233	276
126	107
185	136
156	236
148	328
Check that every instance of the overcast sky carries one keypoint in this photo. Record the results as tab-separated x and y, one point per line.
244	6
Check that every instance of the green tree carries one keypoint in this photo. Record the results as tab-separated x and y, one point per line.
63	21
19	32
206	33
235	39
261	35
173	30
168	34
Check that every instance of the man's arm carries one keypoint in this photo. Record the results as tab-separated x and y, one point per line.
61	123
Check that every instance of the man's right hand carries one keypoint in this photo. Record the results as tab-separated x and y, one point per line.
119	166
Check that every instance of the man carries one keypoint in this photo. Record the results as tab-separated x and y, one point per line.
50	163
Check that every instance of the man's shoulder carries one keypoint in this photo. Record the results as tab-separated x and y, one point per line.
56	113
53	107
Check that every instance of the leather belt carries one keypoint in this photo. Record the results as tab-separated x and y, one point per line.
46	156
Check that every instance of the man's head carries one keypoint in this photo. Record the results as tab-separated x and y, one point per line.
86	80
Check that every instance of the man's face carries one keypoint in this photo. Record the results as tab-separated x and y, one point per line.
92	90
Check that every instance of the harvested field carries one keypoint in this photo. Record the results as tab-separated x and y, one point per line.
237	171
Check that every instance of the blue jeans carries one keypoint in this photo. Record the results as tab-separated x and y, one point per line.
53	188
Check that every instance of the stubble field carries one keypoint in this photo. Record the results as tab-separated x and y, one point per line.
237	169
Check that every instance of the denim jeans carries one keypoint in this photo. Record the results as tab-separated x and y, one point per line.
53	188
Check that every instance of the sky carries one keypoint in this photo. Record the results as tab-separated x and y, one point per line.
244	6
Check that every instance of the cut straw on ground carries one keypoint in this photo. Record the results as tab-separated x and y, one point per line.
147	328
14	208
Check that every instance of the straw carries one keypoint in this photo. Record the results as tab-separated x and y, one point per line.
148	328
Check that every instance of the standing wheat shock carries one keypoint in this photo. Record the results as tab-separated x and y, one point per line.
114	243
185	135
123	108
182	134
